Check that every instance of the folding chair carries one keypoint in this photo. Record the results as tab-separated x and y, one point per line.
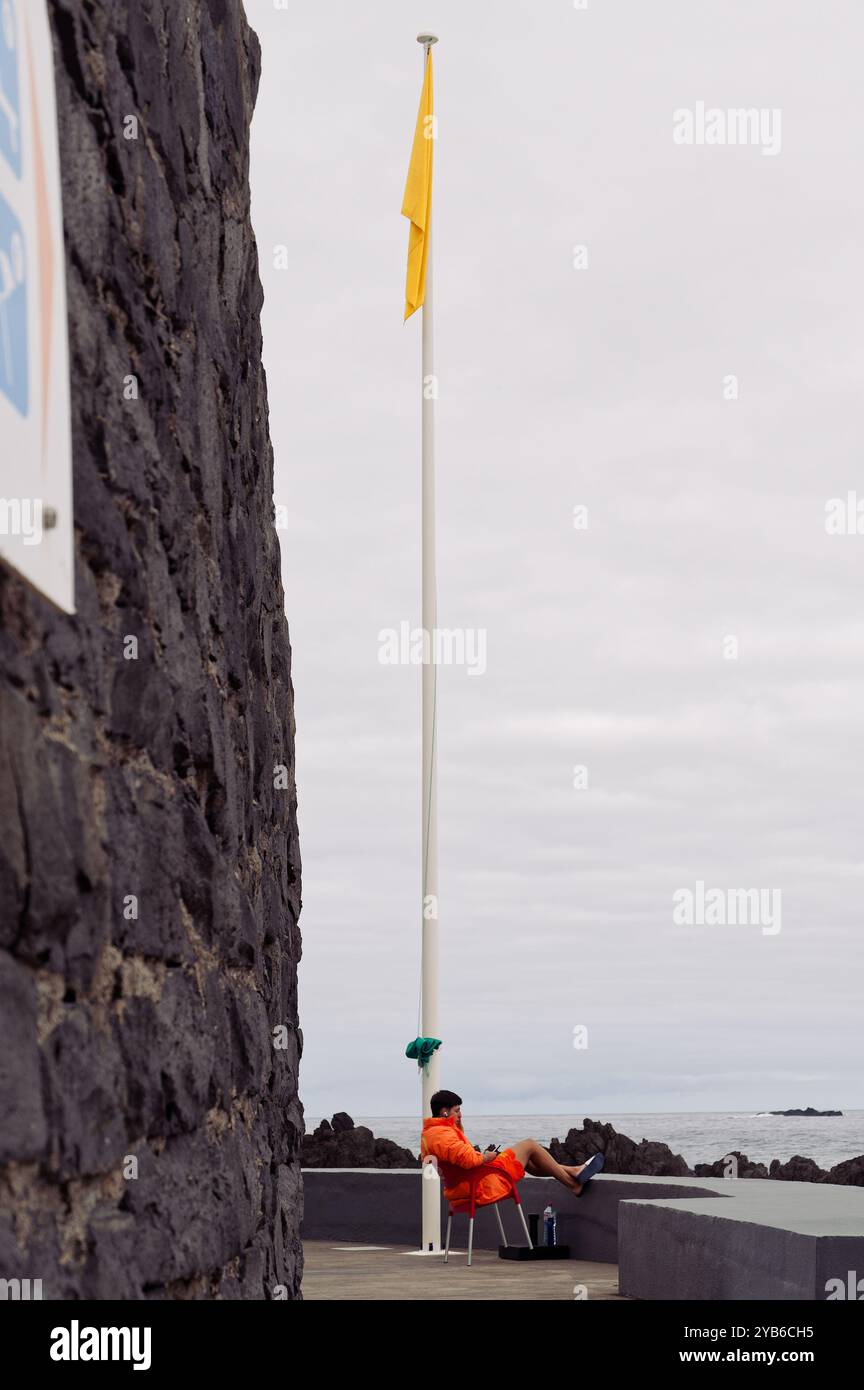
453	1176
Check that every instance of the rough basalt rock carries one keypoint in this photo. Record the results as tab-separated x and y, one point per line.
850	1173
743	1167
797	1169
149	865
621	1155
342	1144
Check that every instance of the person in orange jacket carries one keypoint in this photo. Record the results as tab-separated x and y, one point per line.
443	1139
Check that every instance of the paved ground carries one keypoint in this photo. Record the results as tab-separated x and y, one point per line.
337	1272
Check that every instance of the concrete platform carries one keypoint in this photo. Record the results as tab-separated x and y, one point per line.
672	1238
762	1240
332	1272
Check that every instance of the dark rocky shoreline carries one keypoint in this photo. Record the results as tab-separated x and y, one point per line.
342	1144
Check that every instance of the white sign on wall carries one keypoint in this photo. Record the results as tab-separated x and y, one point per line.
36	534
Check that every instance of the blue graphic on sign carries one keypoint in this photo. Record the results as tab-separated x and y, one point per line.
13	310
10	98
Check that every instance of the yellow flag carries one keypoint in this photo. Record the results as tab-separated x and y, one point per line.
417	202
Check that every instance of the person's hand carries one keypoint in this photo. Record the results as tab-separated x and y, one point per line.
489	1153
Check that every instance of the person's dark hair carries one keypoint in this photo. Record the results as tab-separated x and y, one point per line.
444	1100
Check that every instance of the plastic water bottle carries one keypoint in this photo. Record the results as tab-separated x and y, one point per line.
550	1226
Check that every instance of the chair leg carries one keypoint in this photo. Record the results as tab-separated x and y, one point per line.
470	1237
500	1224
525	1226
447	1241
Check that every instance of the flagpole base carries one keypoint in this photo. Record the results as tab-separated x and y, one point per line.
430	1210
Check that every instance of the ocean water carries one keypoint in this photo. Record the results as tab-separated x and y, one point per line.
700	1137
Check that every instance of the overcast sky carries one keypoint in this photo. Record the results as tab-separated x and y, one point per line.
606	387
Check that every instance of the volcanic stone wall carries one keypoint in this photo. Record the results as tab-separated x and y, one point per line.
149	865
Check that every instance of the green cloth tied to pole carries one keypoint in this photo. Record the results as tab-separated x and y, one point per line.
422	1050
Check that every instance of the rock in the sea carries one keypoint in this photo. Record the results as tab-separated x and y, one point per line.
797	1169
342	1144
849	1173
808	1113
744	1167
621	1155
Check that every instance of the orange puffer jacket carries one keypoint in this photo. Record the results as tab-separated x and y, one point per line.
444	1139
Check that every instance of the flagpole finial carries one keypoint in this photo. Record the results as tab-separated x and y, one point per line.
427	39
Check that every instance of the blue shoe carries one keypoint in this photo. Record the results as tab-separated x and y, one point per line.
592	1167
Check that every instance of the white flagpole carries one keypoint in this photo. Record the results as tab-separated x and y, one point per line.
431	1236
